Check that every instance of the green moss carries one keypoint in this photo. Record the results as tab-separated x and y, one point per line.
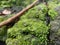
38	12
10	3
52	12
29	31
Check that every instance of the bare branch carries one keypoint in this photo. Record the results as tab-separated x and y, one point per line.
18	14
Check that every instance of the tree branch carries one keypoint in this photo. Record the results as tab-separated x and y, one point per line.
18	14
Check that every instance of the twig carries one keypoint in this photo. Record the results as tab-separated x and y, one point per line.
18	14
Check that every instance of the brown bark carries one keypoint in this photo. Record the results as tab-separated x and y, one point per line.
18	14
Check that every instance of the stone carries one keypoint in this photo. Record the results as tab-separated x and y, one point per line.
54	26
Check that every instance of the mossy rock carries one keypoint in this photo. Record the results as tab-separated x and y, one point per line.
29	30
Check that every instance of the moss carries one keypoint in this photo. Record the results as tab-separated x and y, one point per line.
31	29
38	12
53	14
52	9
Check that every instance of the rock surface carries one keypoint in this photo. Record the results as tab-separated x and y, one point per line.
55	28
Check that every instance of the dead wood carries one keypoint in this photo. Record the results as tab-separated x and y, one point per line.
18	14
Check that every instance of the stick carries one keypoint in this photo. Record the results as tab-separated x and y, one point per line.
18	14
